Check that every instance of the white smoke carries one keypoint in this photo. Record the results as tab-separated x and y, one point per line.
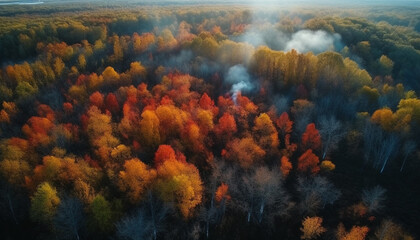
265	36
302	41
313	41
240	79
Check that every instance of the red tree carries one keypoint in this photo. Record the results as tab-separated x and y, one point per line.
164	153
97	99
284	124
226	126
311	139
111	103
308	162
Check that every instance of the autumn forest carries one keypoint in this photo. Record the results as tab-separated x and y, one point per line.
173	120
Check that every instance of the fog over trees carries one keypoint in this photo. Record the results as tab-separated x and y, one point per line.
216	120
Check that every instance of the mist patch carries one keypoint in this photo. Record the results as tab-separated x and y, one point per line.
313	41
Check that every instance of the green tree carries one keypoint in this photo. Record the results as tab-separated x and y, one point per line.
44	203
101	214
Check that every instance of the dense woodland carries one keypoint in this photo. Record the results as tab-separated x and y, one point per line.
209	122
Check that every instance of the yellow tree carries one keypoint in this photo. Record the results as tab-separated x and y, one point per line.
356	233
244	151
149	129
14	170
171	120
180	182
414	105
110	76
135	179
312	228
44	203
265	132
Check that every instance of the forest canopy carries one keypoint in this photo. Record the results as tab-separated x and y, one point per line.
131	120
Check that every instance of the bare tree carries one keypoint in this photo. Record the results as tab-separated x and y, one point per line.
213	213
300	126
385	151
315	193
146	222
158	212
408	148
69	218
260	190
379	146
209	216
12	203
134	227
373	198
369	137
331	133
391	230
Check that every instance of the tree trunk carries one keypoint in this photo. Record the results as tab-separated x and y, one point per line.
261	211
152	211
12	211
402	166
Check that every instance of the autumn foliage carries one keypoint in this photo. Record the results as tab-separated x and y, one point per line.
186	122
311	139
308	162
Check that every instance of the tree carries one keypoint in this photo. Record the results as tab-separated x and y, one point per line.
149	129
100	214
414	105
312	228
386	65
44	203
97	99
99	129
81	62
111	103
38	130
84	191
356	233
389	121
226	127
260	193
136	179
69	218
222	193
265	132
308	162
244	151
219	194
14	170
157	213
134	227
13	203
408	148
315	193
164	153
391	230
331	134
284	124
205	120
373	198
327	166
379	147
171	120
285	166
311	139
59	66
8	112
179	182
137	72
166	40
110	76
